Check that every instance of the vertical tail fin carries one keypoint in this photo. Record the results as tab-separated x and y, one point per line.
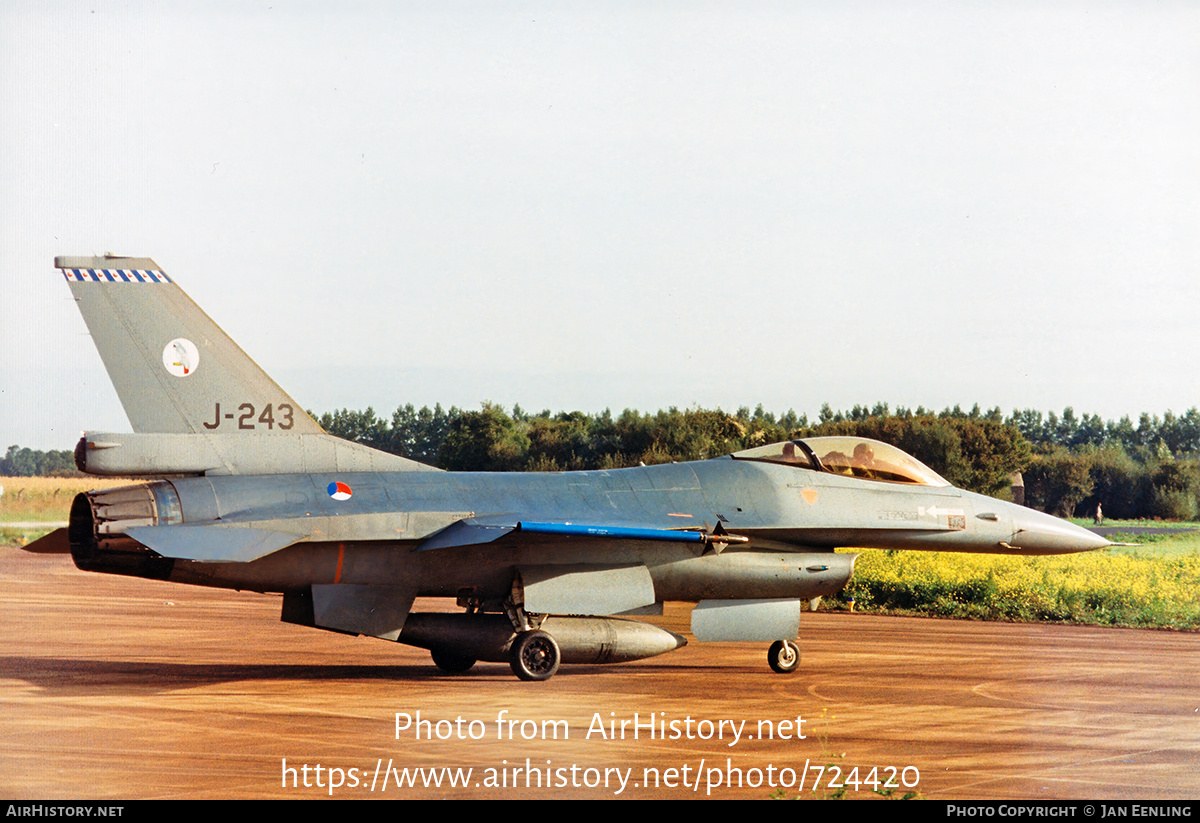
175	371
197	403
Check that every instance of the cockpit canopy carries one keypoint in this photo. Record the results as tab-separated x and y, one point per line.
849	456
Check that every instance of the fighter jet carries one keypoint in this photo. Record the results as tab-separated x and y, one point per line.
247	492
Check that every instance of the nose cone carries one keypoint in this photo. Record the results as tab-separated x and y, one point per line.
1038	533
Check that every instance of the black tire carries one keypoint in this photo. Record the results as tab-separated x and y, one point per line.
451	663
534	656
783	656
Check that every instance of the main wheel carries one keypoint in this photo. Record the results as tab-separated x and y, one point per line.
451	663
534	656
783	656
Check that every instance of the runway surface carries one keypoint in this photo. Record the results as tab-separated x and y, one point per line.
122	688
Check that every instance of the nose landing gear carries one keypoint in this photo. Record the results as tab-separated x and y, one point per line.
783	656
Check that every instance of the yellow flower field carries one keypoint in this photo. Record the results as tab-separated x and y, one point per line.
1107	587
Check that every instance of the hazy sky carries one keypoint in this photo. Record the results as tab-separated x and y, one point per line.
590	205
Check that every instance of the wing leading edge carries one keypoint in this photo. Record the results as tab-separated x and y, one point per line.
473	531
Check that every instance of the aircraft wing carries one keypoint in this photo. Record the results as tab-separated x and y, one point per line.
576	589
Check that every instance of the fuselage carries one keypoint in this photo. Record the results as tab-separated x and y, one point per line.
369	528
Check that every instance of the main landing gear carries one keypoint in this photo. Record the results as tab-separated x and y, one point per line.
783	656
534	656
532	653
451	663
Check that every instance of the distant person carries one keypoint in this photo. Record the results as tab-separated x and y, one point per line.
1099	515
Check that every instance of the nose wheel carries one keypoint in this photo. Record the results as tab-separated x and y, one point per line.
783	656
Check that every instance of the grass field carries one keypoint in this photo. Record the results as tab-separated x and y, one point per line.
1153	584
41	500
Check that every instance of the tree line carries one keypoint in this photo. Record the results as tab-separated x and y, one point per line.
24	462
1069	463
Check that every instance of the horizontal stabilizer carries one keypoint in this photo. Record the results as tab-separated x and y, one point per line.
212	544
54	543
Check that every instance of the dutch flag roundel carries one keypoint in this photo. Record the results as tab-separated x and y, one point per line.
339	491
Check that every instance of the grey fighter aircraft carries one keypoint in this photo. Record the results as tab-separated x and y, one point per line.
247	492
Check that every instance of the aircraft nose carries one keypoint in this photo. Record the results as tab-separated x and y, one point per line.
1038	533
